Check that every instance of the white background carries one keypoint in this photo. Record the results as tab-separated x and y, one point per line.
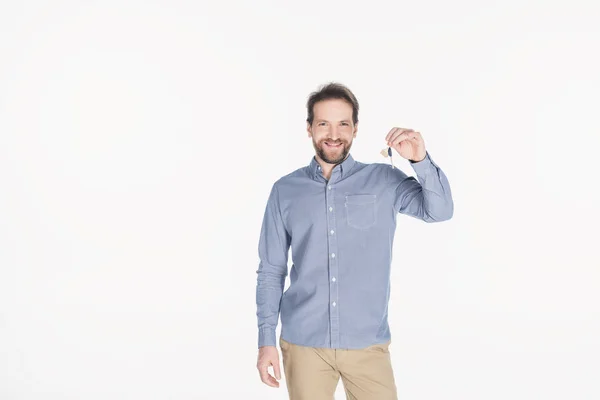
139	141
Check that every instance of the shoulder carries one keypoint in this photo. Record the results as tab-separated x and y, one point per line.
382	171
377	168
292	177
290	184
385	172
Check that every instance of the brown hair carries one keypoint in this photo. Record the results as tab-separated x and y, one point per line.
332	90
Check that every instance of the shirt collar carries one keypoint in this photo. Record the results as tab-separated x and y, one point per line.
344	167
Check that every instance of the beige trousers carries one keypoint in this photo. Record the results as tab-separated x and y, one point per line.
313	373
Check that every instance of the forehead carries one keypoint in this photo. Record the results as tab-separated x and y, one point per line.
333	109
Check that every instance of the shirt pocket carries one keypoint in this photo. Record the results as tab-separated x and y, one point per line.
360	210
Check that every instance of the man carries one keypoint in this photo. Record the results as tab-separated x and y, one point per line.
338	216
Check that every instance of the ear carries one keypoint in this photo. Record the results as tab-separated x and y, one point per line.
309	129
355	129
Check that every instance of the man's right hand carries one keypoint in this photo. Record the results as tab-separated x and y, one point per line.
268	356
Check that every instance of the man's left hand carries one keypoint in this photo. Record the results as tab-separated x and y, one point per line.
408	143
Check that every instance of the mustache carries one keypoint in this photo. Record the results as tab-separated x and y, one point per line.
333	141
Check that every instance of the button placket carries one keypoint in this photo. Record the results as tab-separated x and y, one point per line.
333	266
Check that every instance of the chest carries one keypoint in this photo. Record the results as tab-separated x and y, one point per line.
347	207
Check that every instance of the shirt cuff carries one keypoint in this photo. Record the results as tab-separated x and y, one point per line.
424	165
266	337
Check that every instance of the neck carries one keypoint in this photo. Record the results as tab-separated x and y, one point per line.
326	168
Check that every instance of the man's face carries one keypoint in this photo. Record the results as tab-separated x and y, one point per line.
332	130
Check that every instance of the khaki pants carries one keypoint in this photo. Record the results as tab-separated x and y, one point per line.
313	373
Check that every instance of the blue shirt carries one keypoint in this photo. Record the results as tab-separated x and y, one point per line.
341	234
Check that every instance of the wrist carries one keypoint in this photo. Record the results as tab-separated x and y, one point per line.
418	160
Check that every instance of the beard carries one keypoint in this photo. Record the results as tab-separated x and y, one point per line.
332	155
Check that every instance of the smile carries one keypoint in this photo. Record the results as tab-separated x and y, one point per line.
333	146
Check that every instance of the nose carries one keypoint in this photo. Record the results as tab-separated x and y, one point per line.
334	134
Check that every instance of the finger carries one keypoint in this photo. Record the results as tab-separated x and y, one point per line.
390	133
272	381
416	135
269	380
264	373
395	131
399	131
417	138
399	136
411	134
266	377
277	370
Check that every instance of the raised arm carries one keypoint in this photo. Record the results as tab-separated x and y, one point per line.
429	198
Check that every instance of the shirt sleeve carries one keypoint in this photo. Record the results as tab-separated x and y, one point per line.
273	248
429	198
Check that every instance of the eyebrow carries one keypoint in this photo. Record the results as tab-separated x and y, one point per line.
324	120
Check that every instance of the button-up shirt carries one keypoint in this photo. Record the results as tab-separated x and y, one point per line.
341	234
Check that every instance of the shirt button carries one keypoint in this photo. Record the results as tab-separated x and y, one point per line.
332	232
330	209
333	303
332	255
333	279
329	187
